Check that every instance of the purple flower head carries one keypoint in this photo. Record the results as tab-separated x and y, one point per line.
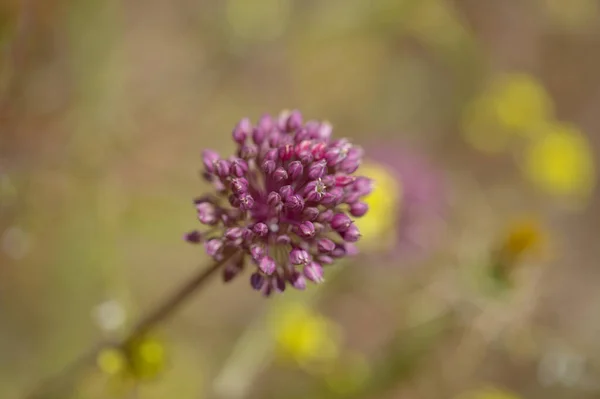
287	201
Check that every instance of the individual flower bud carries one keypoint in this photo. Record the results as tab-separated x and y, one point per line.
257	252
242	130
272	154
239	185
339	251
247	235
286	191
295	170
304	152
294	121
267	265
310	213
343	180
280	175
316	170
312	186
239	167
325	130
363	186
297	280
257	281
358	209
324	259
269	166
193	237
333	156
351	249
325	245
325	216
260	229
349	165
265	123
233	233
306	229
223	168
312	128
275	141
299	257
352	197
213	246
338	152
301	135
248	151
340	222
246	202
333	196
210	158
355	153
352	234
286	152
328	181
273	199
207	213
314	272
258	136
294	203
319	151
278	283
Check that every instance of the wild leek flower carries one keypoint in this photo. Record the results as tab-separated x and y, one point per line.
286	199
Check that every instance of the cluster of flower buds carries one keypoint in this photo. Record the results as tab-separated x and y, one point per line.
285	200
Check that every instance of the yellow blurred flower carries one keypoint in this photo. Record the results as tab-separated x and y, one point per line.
560	162
304	336
515	105
142	358
523	237
379	225
521	102
489	393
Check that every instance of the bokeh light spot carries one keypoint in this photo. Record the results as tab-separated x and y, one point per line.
561	162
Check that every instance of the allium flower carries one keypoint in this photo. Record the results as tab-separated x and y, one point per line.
282	200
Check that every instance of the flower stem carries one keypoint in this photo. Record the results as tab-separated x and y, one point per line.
152	319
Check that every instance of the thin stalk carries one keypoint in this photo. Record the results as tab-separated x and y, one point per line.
152	319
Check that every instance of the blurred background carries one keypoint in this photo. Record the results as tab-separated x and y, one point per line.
479	277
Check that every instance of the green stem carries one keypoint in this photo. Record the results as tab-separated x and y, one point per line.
65	377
